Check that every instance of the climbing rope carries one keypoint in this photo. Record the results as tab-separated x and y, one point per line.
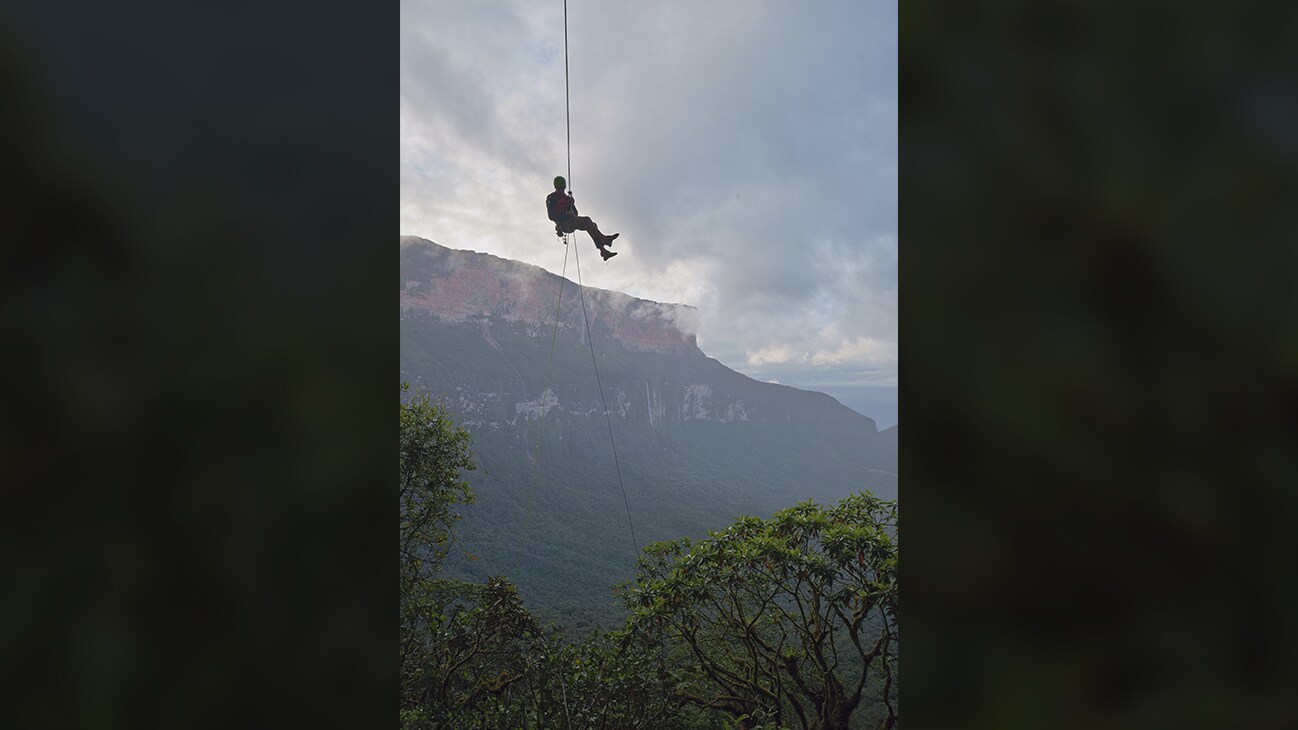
554	337
567	98
581	289
549	370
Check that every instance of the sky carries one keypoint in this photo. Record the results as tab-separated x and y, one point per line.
745	150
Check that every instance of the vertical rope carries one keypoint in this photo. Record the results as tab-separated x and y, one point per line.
585	320
540	442
581	290
567	96
549	368
567	107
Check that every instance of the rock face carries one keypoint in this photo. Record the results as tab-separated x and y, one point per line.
460	285
593	442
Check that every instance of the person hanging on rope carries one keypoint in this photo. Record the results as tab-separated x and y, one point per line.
563	211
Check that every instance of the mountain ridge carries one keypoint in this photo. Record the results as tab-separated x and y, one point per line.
687	445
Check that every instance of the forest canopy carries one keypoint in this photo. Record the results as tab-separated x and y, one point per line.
786	622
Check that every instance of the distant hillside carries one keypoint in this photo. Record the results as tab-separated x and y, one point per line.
697	443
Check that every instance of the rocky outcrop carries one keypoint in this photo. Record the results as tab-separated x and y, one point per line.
461	285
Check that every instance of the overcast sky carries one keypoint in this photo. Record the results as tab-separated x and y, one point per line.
745	150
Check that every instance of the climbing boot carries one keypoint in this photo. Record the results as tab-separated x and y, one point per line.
607	254
608	240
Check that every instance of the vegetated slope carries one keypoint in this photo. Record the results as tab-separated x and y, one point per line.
697	444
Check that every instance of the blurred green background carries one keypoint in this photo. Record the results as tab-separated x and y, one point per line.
1099	348
196	431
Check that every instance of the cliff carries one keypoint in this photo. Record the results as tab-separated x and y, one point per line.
458	286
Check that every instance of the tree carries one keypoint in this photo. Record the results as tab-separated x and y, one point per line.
436	615
471	654
465	655
780	621
434	452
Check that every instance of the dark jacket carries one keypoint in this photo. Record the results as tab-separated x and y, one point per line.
559	205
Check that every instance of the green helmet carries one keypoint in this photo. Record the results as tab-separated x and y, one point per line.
559	182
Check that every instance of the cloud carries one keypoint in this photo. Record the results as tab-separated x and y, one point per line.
684	318
862	350
827	351
746	151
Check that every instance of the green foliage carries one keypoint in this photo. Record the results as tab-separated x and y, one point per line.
465	646
779	623
444	624
433	454
781	620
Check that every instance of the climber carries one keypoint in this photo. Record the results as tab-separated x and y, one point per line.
563	211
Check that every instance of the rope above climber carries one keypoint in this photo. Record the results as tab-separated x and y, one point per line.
561	209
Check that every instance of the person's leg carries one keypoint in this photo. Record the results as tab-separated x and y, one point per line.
584	223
